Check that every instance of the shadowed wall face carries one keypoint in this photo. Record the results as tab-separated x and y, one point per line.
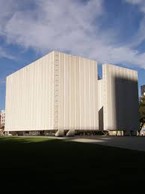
121	98
126	103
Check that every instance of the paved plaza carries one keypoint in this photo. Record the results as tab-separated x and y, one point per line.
129	142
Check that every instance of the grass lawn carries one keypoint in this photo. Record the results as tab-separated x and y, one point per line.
45	165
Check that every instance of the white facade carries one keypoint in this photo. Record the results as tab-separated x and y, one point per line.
120	98
58	91
62	92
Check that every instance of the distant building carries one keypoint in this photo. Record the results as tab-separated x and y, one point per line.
2	118
62	92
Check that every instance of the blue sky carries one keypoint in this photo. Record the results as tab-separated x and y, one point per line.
109	31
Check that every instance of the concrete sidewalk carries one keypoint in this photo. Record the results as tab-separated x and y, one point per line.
128	142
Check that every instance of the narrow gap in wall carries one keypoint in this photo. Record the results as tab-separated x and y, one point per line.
99	71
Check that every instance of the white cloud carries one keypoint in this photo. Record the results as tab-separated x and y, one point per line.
6	12
53	24
140	3
134	1
5	54
66	25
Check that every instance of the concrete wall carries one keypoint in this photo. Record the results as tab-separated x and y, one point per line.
57	91
120	86
78	103
60	91
30	96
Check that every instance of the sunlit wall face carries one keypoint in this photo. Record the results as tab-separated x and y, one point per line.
120	99
30	96
78	100
58	91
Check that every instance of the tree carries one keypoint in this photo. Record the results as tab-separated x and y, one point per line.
142	107
142	111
